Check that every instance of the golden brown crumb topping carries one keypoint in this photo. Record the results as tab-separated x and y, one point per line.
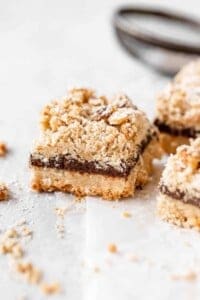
179	104
3	149
50	289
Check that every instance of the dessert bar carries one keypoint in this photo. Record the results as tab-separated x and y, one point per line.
91	145
178	109
179	198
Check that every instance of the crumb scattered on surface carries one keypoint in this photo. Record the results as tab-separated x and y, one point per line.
22	298
21	222
50	289
189	276
60	230
60	211
10	244
96	269
4	192
25	231
126	214
133	257
29	271
3	149
79	198
11	233
188	244
112	248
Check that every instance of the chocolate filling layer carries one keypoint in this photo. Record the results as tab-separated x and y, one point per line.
187	132
66	163
180	195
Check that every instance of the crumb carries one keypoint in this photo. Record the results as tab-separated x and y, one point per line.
50	289
21	222
79	198
3	149
190	276
17	251
4	193
126	214
97	269
26	231
31	273
22	298
9	245
112	248
11	233
60	230
60	211
133	258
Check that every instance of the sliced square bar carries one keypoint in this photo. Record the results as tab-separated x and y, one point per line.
178	109
179	198
90	145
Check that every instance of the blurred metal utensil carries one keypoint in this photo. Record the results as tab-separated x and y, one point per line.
163	39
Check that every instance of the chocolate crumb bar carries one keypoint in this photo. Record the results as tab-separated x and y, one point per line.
179	198
91	145
178	109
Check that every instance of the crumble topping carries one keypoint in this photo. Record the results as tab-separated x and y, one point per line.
182	172
50	289
179	104
92	127
4	192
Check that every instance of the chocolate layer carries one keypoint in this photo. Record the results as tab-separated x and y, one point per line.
180	195
187	132
66	163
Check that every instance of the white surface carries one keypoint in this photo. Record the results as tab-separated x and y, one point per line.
46	47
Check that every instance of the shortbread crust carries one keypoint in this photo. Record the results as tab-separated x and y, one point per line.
179	198
91	145
179	213
82	184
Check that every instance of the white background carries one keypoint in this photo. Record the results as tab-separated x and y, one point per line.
45	48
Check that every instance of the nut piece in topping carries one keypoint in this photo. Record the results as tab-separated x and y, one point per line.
4	193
